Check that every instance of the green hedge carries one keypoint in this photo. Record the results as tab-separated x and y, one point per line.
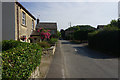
20	60
9	44
81	35
105	40
0	46
53	41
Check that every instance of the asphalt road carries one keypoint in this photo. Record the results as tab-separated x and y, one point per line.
78	61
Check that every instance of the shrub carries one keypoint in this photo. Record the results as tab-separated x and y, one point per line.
80	35
44	34
0	46
44	44
105	40
9	44
53	40
20	61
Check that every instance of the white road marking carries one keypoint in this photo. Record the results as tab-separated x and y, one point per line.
76	50
63	73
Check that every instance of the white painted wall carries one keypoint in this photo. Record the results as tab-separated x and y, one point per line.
0	21
8	21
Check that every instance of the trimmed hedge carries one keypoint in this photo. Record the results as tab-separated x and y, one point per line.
20	60
0	46
9	44
105	40
53	41
81	35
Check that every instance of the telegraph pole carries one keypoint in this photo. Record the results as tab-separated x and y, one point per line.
69	24
70	31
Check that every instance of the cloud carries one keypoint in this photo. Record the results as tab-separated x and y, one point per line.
68	0
92	13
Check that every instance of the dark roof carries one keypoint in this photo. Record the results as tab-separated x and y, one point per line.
26	10
100	26
47	25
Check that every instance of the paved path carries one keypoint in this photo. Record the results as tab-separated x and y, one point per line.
78	61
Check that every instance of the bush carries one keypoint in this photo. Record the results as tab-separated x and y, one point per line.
20	61
105	40
0	46
44	44
53	40
9	44
81	35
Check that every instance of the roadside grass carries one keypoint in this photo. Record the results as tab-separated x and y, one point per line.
44	44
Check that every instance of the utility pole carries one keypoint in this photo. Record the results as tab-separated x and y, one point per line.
69	24
70	31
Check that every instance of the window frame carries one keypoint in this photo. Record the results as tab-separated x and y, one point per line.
23	18
32	24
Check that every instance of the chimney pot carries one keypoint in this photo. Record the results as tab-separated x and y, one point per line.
38	21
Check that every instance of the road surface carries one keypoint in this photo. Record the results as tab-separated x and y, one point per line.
78	61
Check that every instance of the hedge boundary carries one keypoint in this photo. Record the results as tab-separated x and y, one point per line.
105	40
20	59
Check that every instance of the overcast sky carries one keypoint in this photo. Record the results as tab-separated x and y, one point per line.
92	13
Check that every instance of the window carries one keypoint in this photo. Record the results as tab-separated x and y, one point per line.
23	18
23	38
33	24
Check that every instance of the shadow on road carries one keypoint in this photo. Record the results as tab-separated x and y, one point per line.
85	51
71	43
65	43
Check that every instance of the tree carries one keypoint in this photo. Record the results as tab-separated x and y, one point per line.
62	33
119	23
81	35
79	32
113	23
58	34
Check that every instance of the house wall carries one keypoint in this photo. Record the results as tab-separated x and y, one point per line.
0	22
24	30
8	21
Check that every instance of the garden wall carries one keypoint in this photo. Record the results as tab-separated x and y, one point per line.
37	73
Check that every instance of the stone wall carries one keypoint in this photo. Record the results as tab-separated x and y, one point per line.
24	30
37	73
49	51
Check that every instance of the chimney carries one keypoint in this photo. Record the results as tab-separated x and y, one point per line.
38	21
